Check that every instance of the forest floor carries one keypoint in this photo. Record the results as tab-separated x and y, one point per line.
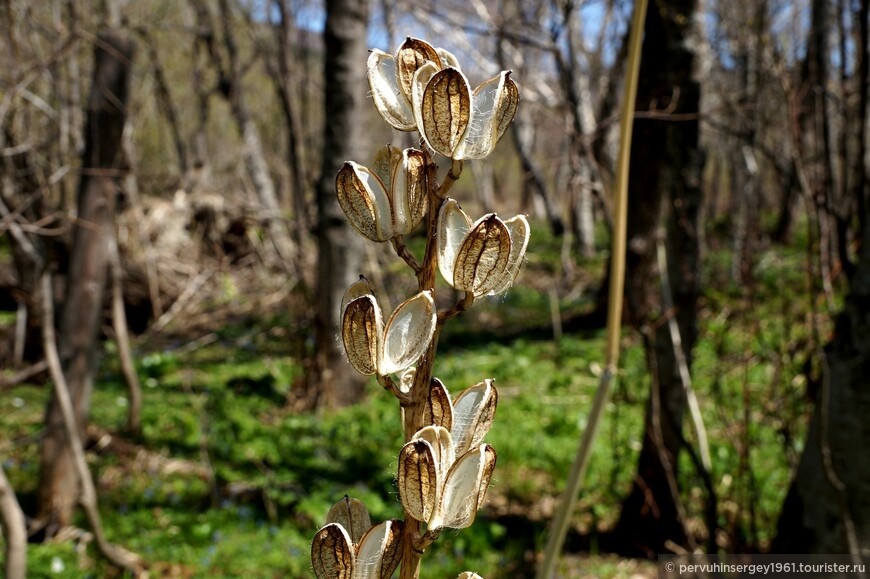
227	481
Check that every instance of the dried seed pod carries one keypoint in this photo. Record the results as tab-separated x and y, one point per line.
465	489
352	515
412	54
473	411
408	333
441	442
481	257
392	549
459	123
445	111
390	78
495	103
372	347
518	229
386	201
422	88
379	551
357	200
438	410
468	575
418	479
332	553
362	334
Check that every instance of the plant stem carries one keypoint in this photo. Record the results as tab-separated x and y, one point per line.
413	544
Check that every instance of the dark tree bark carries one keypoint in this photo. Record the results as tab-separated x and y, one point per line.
102	164
331	380
827	509
668	172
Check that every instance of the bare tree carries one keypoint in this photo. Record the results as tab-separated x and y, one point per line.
331	382
826	509
226	60
668	173
102	164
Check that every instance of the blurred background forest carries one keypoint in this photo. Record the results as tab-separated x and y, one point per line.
172	257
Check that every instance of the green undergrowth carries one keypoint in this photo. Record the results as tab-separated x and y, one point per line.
227	482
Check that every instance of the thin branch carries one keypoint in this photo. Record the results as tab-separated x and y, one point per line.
23	375
117	555
14	531
403	252
680	357
122	337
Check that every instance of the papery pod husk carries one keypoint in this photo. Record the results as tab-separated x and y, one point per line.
391	102
483	256
352	515
387	161
453	225
468	575
441	442
473	411
465	488
506	108
361	287
445	111
412	54
379	551
362	334
438	410
518	228
448	59
360	206
414	191
495	104
332	553
408	333
418	479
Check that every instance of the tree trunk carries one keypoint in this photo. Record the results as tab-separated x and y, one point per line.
331	380
102	164
827	509
651	514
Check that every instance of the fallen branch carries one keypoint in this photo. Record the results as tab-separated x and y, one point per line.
23	375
